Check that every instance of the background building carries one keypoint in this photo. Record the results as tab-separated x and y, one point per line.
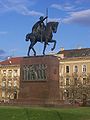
74	75
9	78
51	79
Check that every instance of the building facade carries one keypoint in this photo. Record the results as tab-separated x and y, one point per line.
50	79
9	78
74	75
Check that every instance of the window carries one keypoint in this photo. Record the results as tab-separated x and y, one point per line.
84	81
67	81
10	73
9	84
3	83
8	94
15	83
15	73
75	81
3	94
75	68
66	93
84	68
67	69
4	72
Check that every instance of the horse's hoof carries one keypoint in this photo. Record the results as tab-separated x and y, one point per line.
28	55
34	54
43	54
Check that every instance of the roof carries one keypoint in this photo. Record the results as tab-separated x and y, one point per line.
11	61
75	52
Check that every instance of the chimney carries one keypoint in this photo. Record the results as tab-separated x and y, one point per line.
62	48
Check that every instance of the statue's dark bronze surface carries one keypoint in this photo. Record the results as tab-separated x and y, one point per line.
42	33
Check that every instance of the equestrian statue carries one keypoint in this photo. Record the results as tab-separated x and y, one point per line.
42	33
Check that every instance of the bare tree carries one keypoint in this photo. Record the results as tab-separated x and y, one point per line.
78	91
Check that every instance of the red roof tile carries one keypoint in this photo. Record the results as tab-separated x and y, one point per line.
11	61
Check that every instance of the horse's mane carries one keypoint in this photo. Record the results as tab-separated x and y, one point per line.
51	22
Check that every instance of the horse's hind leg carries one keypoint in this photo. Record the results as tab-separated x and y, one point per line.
34	51
29	50
45	44
54	41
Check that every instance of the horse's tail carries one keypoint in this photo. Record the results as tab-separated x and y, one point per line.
30	36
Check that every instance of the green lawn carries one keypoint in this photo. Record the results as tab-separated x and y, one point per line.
26	113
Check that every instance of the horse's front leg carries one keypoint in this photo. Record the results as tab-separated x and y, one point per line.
31	47
45	44
53	41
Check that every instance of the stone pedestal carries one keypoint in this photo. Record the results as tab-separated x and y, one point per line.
39	80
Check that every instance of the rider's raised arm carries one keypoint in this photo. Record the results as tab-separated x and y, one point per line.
44	18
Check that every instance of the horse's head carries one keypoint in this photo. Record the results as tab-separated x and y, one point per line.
53	25
27	37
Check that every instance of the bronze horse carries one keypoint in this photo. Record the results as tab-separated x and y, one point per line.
46	37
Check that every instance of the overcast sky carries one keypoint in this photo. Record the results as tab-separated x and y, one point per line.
18	16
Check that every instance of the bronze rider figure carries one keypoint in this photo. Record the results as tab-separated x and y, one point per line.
39	27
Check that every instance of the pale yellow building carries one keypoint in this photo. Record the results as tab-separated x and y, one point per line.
74	74
9	78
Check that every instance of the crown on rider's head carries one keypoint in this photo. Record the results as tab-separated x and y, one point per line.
41	18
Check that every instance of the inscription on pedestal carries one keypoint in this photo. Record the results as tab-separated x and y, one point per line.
34	72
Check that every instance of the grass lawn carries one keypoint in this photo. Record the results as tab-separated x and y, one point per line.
28	113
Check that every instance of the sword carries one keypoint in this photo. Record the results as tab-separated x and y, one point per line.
46	15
